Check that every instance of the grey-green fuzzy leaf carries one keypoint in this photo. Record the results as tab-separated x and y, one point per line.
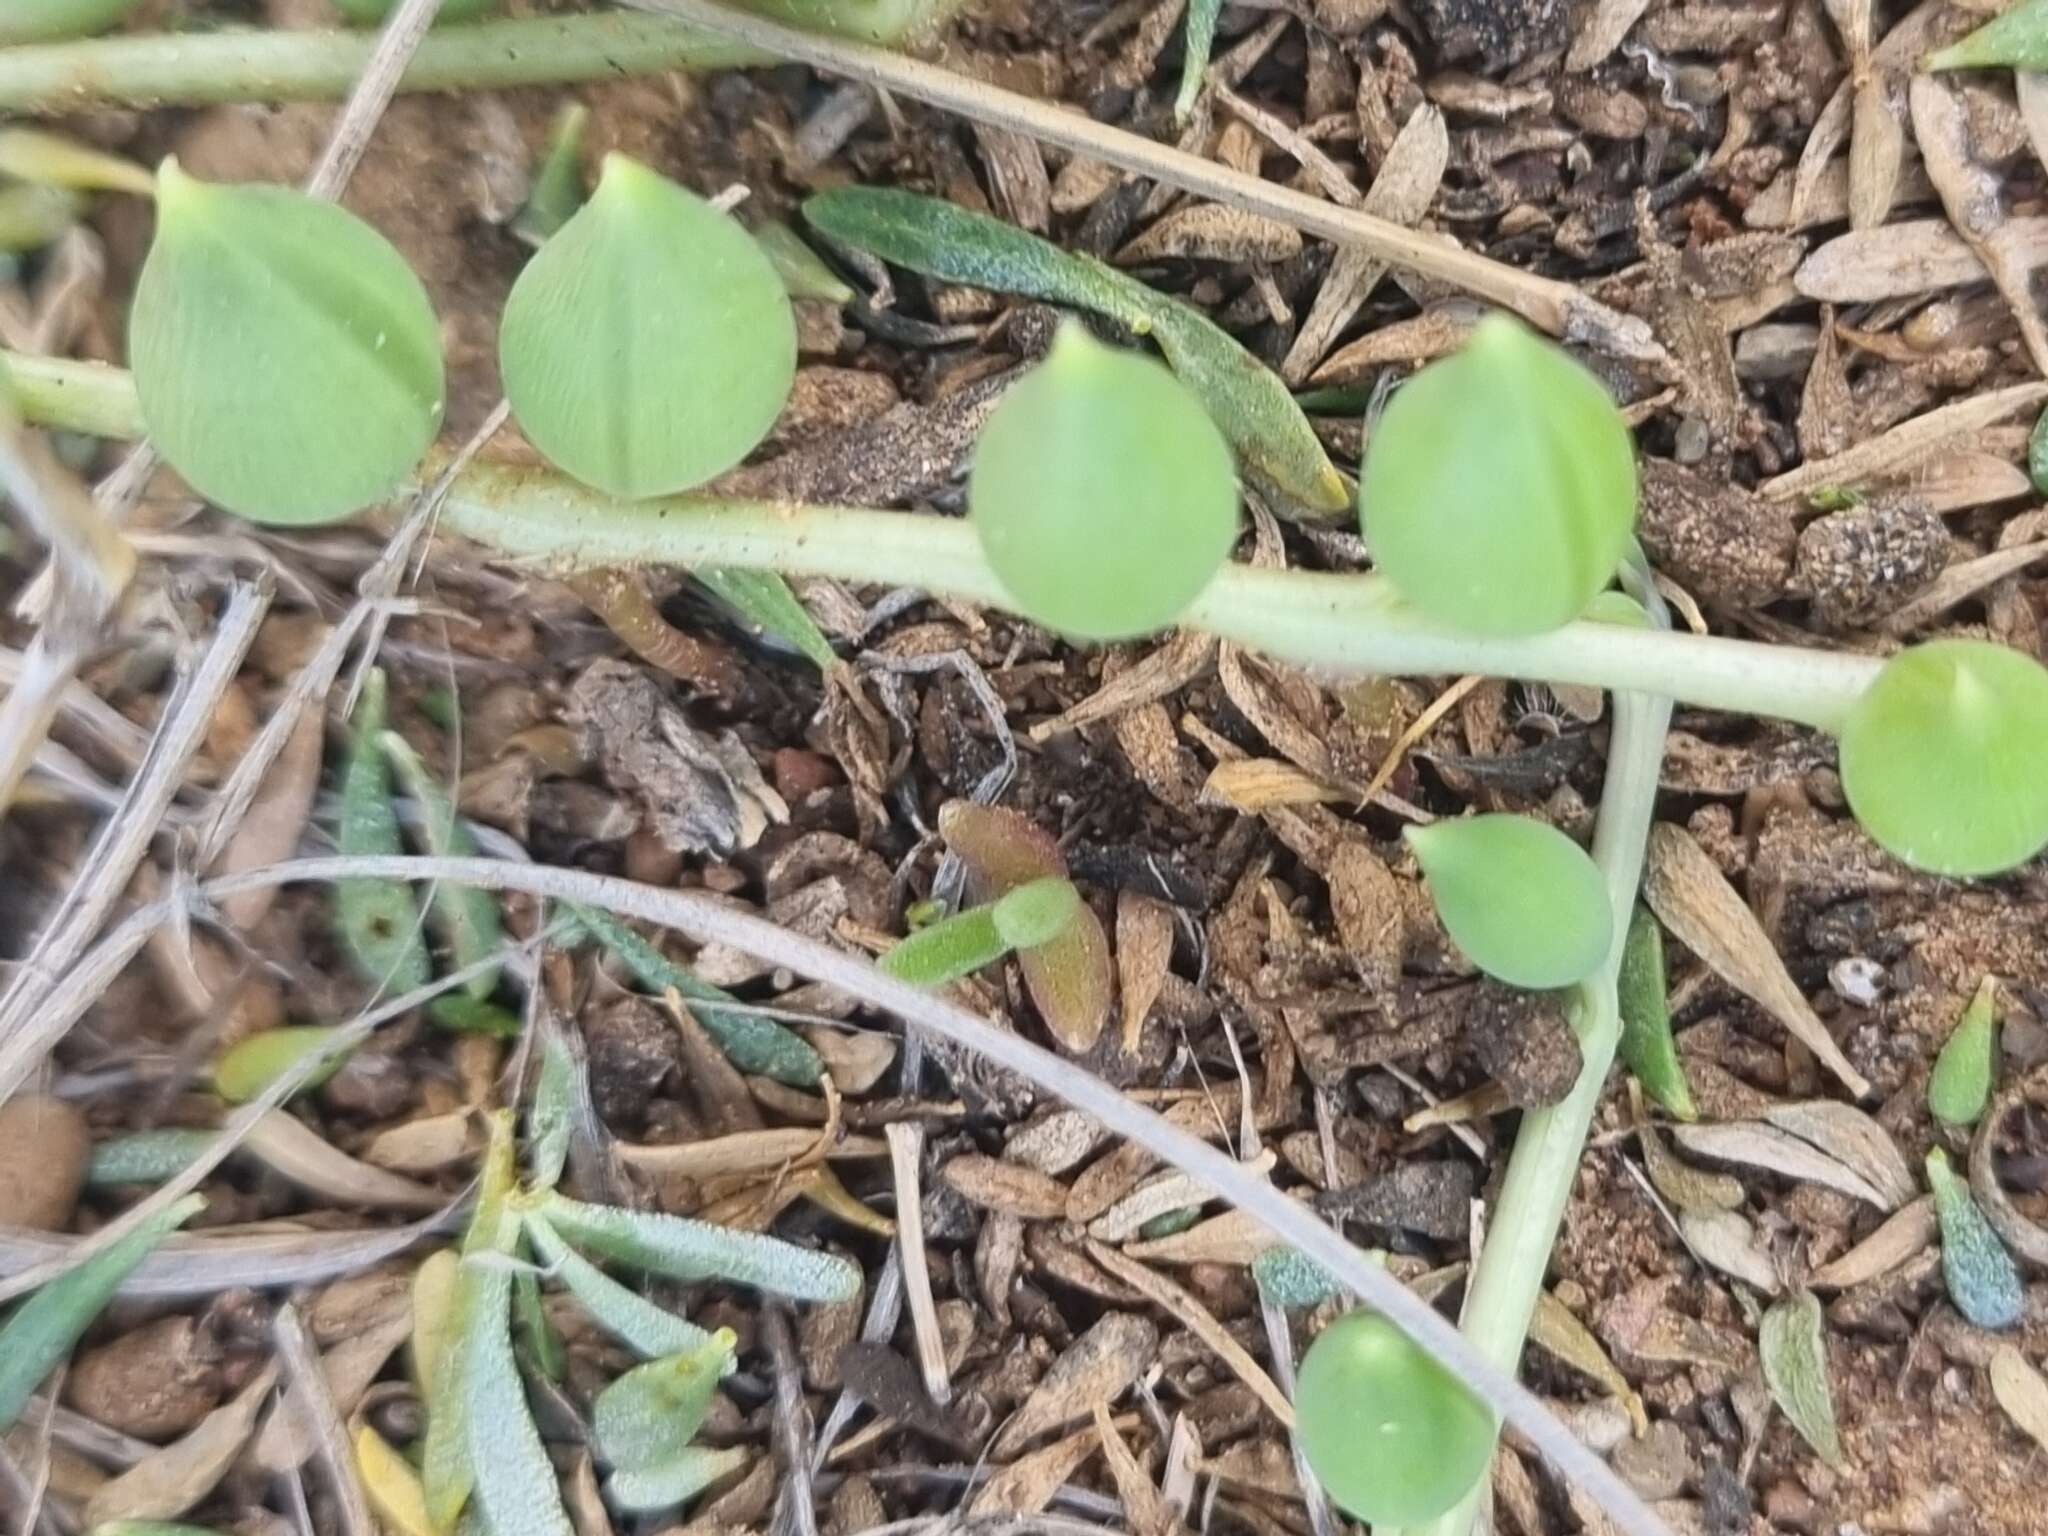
629	1317
1795	1365
696	1469
645	1418
516	1490
1983	1281
696	1250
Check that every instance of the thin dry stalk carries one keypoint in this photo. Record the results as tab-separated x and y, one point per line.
906	1150
350	136
307	1396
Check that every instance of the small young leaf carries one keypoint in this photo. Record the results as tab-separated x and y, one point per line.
764	602
1522	900
1960	1085
255	1062
42	1330
467	915
1983	1281
802	270
1942	755
1795	1362
756	1045
1643	998
545	1354
552	1117
369	12
516	1490
1102	493
689	1474
286	358
945	951
631	1318
40	21
379	920
1201	37
2037	452
1393	1437
1286	1277
648	1415
1036	913
557	190
2016	38
391	1485
1499	489
696	1250
26	154
434	1287
146	1157
648	345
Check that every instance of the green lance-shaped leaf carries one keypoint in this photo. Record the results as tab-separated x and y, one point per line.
754	1044
1101	491
1983	1281
1522	900
1498	493
557	190
1943	755
379	919
43	1329
956	946
2037	454
146	1157
1391	1435
551	1118
515	1489
40	21
1795	1361
629	1317
684	1249
764	602
648	1415
648	345
1644	1003
1960	1085
466	915
1287	1277
693	1470
286	358
1245	399
2015	39
1201	37
253	1063
369	12
545	1353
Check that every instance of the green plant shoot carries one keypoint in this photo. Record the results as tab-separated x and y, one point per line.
1960	1085
252	1064
287	360
2016	38
1643	1001
1522	900
1102	493
649	344
956	946
1498	492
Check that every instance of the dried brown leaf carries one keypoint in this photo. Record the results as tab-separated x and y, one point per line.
1911	1229
1906	260
2021	1391
1686	1187
996	1184
1366	904
1255	784
425	1145
349	1366
1751	1144
1699	908
1555	1327
1213	232
1164	670
1144	949
1437	332
1232	1238
1728	1241
1143	1508
745	1152
1027	1485
1817	158
289	1147
1877	148
1827	410
1854	1139
275	822
1096	1367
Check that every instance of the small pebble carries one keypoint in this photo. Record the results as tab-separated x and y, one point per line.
1858	979
44	1147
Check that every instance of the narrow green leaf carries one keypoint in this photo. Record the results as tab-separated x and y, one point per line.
1960	1085
696	1250
286	358
378	919
1201	37
2037	454
1983	1281
253	1063
1498	493
1245	399
1795	1361
694	1470
42	1330
1286	1277
1941	757
1102	492
1522	900
628	1316
1036	912
516	1490
466	915
945	951
765	603
146	1157
648	345
544	1349
2016	39
802	270
752	1043
28	154
41	21
1644	1001
557	190
648	1415
464	1015
551	1119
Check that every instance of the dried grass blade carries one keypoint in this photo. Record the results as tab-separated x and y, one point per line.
1908	444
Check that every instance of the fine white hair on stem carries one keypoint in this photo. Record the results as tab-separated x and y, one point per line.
703	919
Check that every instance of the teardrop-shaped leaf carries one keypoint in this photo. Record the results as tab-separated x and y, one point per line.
696	1250
689	1474
38	21
649	1414
1795	1361
1522	900
1960	1085
466	915
516	1491
2017	38
1499	488
1102	493
1201	36
1942	757
368	12
41	1331
649	344
286	358
1983	1281
1647	1045
252	1064
802	270
631	1318
551	1118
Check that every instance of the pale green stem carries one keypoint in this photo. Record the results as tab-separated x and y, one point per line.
1342	623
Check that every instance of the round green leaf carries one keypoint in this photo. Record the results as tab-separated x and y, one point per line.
1498	492
369	12
286	359
1522	900
1945	757
1102	492
1392	1436
649	345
